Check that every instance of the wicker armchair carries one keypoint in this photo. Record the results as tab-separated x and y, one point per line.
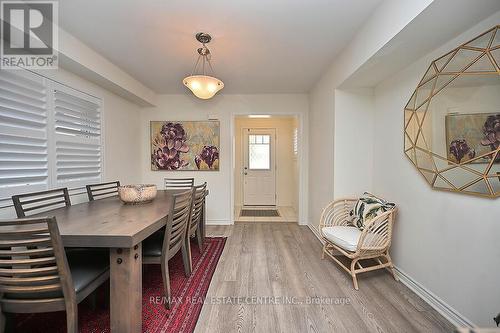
371	243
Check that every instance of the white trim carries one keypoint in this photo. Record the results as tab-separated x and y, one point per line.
219	222
302	157
315	231
444	309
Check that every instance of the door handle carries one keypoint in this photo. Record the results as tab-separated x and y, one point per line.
245	173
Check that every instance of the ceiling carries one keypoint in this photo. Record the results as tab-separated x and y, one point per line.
440	22
276	46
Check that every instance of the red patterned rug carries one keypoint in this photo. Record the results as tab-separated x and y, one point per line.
188	295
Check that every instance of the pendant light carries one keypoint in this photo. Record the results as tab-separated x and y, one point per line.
202	85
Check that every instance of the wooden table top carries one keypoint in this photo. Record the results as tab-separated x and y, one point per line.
110	223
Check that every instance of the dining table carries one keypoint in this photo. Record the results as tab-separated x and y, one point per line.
109	223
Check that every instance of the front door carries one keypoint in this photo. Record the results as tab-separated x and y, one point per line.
259	167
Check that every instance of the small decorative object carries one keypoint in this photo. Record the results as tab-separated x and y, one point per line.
452	119
185	145
202	85
137	194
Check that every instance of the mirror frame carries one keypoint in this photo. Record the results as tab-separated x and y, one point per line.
488	44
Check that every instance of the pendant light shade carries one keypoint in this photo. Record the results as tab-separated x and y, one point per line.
202	85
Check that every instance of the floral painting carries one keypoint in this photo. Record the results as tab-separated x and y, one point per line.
185	145
470	136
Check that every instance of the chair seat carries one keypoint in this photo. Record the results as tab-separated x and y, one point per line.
152	246
85	265
343	236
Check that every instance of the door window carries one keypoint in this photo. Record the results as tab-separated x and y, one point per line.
259	151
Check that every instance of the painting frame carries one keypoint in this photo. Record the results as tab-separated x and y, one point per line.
191	140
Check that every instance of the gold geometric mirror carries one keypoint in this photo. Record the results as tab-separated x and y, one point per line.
452	120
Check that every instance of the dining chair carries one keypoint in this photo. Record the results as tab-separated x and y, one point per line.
160	249
36	274
102	190
178	183
194	229
36	202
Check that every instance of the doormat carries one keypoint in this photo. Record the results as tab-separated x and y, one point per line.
260	212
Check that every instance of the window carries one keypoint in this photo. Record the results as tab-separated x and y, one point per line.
50	135
259	152
295	141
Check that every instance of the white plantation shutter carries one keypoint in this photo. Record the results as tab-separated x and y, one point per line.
23	133
77	137
50	135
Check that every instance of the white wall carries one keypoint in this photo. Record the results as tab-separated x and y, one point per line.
321	140
286	190
121	128
444	242
386	22
447	242
220	183
353	143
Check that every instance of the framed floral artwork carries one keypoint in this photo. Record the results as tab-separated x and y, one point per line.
470	136
185	145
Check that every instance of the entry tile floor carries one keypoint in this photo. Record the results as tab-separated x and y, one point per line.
287	214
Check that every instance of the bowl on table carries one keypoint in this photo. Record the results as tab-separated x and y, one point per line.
137	194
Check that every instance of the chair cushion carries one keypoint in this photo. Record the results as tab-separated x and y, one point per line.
152	246
368	207
345	237
86	265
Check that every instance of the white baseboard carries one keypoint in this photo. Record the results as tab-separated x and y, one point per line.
315	231
219	222
447	311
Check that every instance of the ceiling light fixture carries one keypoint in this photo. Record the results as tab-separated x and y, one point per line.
202	85
259	116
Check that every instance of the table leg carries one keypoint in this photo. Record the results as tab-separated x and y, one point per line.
126	289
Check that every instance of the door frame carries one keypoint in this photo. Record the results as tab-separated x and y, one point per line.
302	159
273	159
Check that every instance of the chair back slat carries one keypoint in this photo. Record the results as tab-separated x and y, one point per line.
20	281
174	234
102	190
5	288
178	183
175	244
199	194
37	202
35	271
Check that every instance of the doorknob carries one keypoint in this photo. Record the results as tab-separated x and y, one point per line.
245	173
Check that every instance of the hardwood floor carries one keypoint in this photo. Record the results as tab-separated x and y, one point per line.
281	263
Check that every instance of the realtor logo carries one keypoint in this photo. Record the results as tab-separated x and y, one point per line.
29	34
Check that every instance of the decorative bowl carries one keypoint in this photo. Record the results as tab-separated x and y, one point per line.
137	194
